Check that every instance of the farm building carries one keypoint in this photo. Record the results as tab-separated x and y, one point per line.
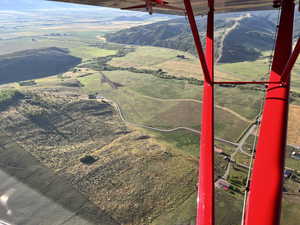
222	184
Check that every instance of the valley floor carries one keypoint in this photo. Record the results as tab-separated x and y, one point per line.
115	139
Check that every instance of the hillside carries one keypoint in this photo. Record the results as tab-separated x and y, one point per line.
132	178
18	66
239	37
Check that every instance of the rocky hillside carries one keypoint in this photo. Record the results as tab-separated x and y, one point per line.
239	37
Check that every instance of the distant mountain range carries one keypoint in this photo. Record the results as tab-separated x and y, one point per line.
239	36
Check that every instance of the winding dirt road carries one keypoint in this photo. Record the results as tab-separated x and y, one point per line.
118	109
197	101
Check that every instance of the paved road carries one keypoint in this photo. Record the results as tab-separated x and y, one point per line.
239	148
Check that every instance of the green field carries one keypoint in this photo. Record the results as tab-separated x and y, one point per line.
166	60
7	94
160	107
258	71
90	52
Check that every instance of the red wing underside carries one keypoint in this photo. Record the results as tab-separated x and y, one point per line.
136	7
200	7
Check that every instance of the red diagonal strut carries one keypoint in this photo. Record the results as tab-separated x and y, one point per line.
205	198
190	14
264	200
291	62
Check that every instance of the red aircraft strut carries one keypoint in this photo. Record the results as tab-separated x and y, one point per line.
291	62
264	200
190	14
205	198
246	82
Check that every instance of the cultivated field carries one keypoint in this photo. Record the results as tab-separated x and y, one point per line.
165	59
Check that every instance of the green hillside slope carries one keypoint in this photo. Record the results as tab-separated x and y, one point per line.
239	37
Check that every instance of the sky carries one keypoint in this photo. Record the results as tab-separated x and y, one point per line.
37	4
44	5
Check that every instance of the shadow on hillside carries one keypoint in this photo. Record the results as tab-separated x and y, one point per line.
36	63
36	195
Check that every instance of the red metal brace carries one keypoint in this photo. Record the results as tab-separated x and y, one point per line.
246	82
205	198
265	193
190	14
291	62
205	208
